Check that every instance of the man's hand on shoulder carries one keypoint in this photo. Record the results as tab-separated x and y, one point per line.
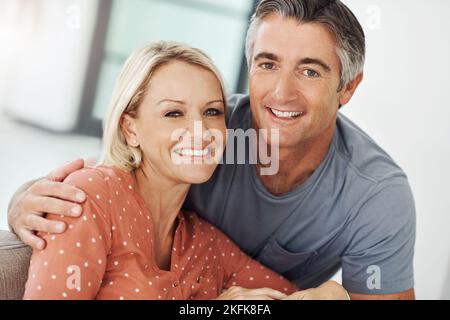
49	195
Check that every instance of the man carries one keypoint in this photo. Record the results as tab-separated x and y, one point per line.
337	201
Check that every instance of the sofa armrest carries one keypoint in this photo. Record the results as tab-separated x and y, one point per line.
14	263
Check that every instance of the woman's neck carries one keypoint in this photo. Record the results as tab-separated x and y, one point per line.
163	198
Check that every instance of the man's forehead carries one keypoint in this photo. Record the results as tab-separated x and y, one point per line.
286	37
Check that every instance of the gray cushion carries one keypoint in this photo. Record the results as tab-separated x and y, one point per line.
14	263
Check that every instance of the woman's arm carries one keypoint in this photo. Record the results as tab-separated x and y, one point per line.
73	264
243	271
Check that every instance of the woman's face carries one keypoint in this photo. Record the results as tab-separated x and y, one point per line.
180	125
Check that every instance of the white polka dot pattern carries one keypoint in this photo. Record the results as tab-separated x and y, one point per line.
106	253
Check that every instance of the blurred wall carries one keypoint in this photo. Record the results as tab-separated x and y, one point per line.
404	104
44	65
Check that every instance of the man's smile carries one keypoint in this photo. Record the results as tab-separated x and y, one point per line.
284	115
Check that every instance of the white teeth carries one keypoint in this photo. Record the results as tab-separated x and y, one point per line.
192	152
281	114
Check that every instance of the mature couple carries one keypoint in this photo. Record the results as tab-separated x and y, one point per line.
128	228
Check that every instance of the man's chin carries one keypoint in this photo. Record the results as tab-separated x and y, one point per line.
282	137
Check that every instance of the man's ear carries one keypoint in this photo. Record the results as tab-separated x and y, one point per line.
128	126
350	88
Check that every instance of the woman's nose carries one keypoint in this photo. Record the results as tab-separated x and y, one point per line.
198	129
195	131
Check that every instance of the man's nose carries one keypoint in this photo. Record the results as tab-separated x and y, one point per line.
285	90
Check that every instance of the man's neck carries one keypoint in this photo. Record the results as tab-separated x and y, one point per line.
298	163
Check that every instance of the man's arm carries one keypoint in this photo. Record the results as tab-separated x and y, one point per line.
406	295
30	204
330	290
378	261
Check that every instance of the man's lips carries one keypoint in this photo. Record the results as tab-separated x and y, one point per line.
281	114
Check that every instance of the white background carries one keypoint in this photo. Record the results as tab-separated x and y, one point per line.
404	104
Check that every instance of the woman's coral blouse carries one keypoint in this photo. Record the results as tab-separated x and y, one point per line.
108	252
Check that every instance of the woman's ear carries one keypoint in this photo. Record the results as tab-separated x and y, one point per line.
350	88
128	126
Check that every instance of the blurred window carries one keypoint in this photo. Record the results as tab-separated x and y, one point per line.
217	27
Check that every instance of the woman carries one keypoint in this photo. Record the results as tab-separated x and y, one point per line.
133	242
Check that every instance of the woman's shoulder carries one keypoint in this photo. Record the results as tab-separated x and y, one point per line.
204	227
98	179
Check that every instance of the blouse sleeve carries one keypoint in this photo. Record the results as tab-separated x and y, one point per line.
243	271
73	263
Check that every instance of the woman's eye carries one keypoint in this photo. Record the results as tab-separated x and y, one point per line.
310	73
267	66
211	112
173	114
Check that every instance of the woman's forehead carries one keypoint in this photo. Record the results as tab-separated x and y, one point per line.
183	81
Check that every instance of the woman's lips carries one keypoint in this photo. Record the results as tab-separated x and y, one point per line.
188	152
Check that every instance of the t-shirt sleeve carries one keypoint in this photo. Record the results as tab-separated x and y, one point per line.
242	271
73	263
380	249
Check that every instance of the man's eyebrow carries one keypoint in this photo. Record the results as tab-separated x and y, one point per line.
316	61
274	57
266	55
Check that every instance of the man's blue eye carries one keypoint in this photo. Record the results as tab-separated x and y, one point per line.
267	66
310	73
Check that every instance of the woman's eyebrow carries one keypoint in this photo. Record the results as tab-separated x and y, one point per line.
171	100
215	101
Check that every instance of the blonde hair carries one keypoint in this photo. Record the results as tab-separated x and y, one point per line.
130	90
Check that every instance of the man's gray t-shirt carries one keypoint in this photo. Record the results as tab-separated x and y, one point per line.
356	211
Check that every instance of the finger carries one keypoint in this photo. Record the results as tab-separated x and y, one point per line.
253	297
55	206
59	190
37	223
30	239
275	294
62	172
297	296
309	296
235	289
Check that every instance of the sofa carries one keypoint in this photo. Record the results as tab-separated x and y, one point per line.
14	262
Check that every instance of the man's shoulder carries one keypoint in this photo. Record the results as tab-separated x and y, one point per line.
364	156
237	100
377	190
238	110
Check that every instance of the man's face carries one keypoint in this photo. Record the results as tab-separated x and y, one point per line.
294	80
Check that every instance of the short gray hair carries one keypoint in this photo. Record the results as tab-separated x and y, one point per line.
349	34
